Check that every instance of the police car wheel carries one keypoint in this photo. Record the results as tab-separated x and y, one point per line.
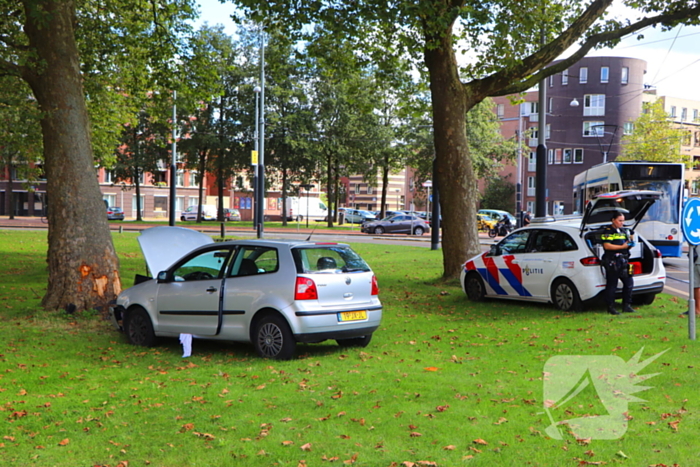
565	296
474	286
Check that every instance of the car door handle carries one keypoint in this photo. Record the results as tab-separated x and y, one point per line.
211	289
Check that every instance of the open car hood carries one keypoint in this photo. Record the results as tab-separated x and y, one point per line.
162	246
634	204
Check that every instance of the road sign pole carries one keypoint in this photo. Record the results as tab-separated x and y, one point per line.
691	299
690	225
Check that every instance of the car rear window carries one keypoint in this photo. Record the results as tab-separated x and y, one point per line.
328	259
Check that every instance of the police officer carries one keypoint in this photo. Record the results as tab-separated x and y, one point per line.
617	242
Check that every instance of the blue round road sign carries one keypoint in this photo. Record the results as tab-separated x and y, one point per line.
690	223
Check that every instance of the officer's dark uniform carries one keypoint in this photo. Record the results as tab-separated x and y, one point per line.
616	264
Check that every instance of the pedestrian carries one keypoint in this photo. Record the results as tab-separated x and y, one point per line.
527	218
617	241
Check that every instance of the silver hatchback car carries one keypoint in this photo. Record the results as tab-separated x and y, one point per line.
271	293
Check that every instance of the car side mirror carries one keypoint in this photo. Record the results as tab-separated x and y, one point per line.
163	276
495	250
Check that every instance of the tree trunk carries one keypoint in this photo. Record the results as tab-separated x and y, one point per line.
83	266
385	188
455	174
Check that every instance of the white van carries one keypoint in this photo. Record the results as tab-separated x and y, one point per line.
209	213
299	208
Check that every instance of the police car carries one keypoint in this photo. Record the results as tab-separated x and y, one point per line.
558	260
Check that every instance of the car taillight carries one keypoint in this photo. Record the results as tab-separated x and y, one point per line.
590	261
375	286
305	289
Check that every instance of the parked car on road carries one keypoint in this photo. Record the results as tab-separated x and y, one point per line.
115	213
397	223
356	216
209	213
273	294
232	215
497	215
559	261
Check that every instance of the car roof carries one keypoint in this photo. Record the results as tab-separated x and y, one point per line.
159	243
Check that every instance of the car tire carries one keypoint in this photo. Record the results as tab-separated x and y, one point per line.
138	327
379	230
273	338
360	342
492	233
182	218
474	287
643	299
565	296
418	231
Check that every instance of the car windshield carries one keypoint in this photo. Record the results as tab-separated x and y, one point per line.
330	259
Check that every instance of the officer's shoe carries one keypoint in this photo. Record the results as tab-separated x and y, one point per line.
628	309
613	311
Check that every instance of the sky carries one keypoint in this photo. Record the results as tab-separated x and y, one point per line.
673	57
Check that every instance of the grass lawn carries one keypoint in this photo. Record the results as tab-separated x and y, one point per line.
445	382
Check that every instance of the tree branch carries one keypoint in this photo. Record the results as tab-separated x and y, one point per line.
530	72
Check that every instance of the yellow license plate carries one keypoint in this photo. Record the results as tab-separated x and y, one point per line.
352	316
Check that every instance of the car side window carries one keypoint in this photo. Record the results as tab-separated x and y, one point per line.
251	260
515	242
205	266
546	241
568	243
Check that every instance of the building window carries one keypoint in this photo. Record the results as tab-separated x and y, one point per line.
531	186
565	77
684	114
369	189
695	115
548	131
578	156
550	156
583	75
696	142
500	110
551	105
673	111
532	162
109	176
593	105
696	166
625	76
193	179
604	74
566	159
179	178
695	185
686	138
628	128
557	156
593	128
551	81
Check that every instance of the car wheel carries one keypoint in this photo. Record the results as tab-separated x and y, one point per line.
492	233
182	218
643	299
379	230
355	341
565	296
474	287
418	231
138	327
273	338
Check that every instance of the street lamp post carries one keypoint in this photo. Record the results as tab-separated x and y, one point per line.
171	220
254	160
307	187
397	198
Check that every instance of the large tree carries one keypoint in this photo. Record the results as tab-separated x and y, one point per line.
41	42
513	44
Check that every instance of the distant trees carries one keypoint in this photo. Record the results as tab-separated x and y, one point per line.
654	138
